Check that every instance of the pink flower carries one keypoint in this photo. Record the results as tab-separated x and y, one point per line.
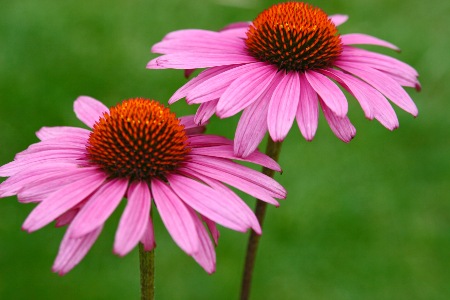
141	151
284	66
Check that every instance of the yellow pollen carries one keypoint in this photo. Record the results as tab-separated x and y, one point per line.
294	36
138	139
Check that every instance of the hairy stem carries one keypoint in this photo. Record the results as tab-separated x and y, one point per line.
147	269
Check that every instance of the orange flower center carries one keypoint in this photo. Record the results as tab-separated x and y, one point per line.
138	139
294	36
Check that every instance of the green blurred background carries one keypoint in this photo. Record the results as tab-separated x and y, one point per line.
364	220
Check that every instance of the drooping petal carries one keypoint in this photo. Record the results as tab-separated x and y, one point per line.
245	90
251	129
176	217
383	83
226	151
73	250
36	160
134	220
196	81
216	43
330	93
359	38
308	109
206	255
241	209
99	207
40	188
46	133
338	19
190	126
403	73
213	87
207	140
205	111
283	106
250	181
46	172
148	238
189	60
67	217
374	104
89	110
207	201
236	25
252	125
341	126
212	229
62	200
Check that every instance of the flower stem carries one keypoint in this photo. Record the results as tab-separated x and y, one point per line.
273	150
147	269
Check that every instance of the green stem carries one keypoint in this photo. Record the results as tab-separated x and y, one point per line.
273	150
147	269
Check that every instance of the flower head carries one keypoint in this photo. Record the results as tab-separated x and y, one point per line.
283	66
141	151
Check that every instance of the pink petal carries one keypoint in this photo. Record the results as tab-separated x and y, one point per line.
241	209
403	73
89	110
46	133
236	25
99	207
338	19
248	180
283	106
206	254
46	185
207	140
252	125
17	181
330	93
205	111
359	38
134	220
190	127
63	199
188	60
378	59
207	201
308	110
340	126
226	151
65	143
189	34
212	229
176	217
148	238
198	80
218	43
36	160
358	88
372	102
72	251
67	217
245	90
251	129
214	86
382	83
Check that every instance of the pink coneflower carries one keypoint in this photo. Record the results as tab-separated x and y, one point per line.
284	66
141	151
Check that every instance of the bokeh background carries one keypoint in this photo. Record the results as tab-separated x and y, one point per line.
364	220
